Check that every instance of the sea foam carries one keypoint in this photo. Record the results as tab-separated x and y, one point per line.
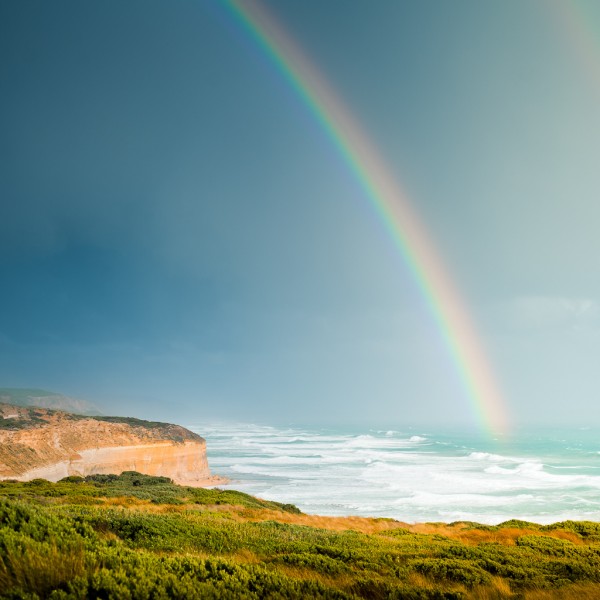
409	476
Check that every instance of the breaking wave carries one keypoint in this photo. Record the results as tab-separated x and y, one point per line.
408	476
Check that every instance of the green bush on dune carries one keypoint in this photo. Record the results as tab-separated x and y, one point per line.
140	537
159	490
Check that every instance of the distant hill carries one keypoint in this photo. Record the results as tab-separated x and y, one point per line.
46	399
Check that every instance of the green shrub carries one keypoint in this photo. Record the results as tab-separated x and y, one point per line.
452	569
318	563
546	545
68	541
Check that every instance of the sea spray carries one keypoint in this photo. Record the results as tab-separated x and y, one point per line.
412	475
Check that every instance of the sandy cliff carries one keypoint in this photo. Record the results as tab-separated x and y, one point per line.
37	442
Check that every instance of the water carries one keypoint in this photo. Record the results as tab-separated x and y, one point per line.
413	476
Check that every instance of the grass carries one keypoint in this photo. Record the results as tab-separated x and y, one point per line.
138	537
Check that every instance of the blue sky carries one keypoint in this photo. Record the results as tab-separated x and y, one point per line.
179	238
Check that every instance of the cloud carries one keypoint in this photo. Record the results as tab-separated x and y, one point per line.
550	312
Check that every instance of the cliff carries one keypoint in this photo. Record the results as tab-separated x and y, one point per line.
49	444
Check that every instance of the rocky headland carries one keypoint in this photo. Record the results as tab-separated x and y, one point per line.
38	442
46	399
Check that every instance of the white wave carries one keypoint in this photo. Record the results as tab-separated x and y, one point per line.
404	476
490	457
462	500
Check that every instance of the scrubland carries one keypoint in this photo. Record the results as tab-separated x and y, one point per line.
141	538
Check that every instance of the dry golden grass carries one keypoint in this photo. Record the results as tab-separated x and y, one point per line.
419	580
506	536
499	590
125	501
570	536
295	572
360	524
578	591
463	533
247	556
41	570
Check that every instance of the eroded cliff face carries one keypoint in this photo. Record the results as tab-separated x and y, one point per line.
37	442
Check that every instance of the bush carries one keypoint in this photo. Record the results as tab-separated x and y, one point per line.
451	569
79	539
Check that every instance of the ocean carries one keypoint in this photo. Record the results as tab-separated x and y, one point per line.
413	475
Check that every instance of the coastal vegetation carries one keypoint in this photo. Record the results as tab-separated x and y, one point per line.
139	537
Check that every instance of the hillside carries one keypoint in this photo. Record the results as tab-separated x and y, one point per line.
38	442
46	399
140	537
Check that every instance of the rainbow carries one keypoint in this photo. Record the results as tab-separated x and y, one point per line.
391	204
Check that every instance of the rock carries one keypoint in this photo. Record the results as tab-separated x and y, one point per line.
49	444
